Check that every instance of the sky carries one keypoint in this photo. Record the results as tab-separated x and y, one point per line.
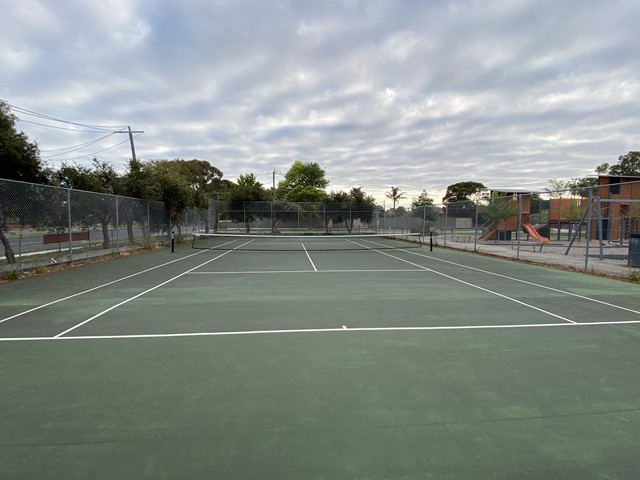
418	94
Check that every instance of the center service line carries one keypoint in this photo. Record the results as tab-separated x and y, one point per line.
309	257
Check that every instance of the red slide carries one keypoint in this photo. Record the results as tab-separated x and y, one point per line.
533	231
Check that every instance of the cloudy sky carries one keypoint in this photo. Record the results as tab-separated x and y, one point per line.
418	94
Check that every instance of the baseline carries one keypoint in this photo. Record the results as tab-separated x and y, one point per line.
343	329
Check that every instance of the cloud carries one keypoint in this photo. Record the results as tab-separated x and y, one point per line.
379	93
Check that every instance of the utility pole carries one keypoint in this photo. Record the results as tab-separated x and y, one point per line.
133	148
131	132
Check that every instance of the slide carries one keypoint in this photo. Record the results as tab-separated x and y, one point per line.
533	232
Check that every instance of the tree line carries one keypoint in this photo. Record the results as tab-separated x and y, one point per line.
182	184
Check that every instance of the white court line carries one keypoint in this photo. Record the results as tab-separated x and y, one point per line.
271	272
146	291
341	329
309	257
96	288
506	297
557	290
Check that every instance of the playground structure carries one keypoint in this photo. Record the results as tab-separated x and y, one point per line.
510	211
611	213
617	208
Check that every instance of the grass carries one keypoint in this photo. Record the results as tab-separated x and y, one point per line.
11	275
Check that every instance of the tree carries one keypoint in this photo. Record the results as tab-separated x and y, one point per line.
303	182
363	205
181	184
500	208
89	207
423	207
628	165
174	191
203	178
348	207
136	186
336	209
462	191
19	160
395	195
557	187
400	212
246	189
582	186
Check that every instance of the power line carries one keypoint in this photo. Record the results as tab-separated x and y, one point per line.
110	129
99	151
75	147
105	128
60	128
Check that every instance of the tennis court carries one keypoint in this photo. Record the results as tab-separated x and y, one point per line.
319	361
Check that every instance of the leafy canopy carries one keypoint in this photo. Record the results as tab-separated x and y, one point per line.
628	165
19	158
423	206
304	182
462	191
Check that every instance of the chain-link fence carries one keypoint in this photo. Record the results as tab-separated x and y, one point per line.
591	229
42	225
594	229
294	217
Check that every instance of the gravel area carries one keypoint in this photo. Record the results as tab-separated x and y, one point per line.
613	262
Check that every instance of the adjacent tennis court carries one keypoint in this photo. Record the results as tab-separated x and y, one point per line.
337	358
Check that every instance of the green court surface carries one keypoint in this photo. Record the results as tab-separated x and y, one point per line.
365	364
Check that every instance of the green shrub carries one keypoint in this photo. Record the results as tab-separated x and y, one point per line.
11	275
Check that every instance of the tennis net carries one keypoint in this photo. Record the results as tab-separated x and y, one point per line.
313	242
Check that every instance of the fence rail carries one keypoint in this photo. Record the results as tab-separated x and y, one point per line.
41	224
593	230
597	229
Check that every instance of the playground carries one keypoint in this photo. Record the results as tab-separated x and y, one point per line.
598	232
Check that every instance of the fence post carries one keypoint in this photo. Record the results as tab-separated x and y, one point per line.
117	223
589	213
519	225
559	225
70	225
600	236
446	223
475	235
